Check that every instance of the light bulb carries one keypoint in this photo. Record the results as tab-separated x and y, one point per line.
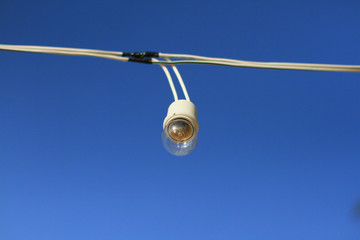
180	128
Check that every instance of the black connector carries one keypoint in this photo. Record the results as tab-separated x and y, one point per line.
141	54
141	60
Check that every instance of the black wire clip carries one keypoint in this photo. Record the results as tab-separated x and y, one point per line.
141	57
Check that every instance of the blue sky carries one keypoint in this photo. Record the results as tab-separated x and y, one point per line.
80	138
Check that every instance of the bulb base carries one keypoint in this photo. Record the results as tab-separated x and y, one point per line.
182	109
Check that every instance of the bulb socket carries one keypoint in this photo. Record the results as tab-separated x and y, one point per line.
182	109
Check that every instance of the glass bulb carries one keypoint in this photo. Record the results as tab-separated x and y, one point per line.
180	130
179	137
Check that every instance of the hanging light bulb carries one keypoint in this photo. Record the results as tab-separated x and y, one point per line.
180	128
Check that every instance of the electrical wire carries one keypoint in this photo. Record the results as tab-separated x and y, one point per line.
171	83
66	51
271	65
187	59
62	49
274	65
182	84
151	57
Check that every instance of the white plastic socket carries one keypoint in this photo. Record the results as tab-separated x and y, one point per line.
182	109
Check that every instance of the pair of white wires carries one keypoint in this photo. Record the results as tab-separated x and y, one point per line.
194	59
98	53
171	83
183	59
152	58
66	51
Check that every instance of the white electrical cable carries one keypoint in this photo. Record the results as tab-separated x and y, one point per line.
183	59
271	65
182	84
65	51
277	65
171	83
187	59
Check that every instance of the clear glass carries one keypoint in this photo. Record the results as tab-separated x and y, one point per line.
179	137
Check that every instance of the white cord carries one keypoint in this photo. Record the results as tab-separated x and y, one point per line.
184	59
270	65
278	65
171	83
188	59
182	84
66	51
63	49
